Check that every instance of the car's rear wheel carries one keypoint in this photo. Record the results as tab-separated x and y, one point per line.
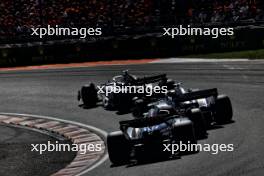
199	123
89	95
223	109
184	133
118	148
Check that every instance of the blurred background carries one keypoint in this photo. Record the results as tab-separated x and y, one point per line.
131	29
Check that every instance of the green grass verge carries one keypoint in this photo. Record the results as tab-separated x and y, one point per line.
250	54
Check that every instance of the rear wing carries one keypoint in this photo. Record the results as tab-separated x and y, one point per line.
151	79
196	95
145	122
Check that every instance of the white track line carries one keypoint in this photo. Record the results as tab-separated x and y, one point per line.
193	60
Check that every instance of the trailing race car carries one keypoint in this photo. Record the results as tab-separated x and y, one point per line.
123	100
142	138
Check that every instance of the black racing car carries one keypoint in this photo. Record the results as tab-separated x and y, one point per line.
91	94
144	138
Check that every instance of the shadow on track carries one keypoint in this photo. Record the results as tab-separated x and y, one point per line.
151	159
217	126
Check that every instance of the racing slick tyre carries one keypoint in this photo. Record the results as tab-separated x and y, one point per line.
88	94
123	102
167	82
184	133
139	108
199	123
118	148
224	111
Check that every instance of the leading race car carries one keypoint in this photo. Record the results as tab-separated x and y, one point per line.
124	99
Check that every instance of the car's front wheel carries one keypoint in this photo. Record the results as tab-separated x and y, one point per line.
199	123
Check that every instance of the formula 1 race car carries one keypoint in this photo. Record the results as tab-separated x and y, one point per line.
179	117
209	106
114	95
143	138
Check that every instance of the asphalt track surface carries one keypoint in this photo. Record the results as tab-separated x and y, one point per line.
53	93
16	158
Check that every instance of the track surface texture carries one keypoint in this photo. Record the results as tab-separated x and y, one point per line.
53	93
16	158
